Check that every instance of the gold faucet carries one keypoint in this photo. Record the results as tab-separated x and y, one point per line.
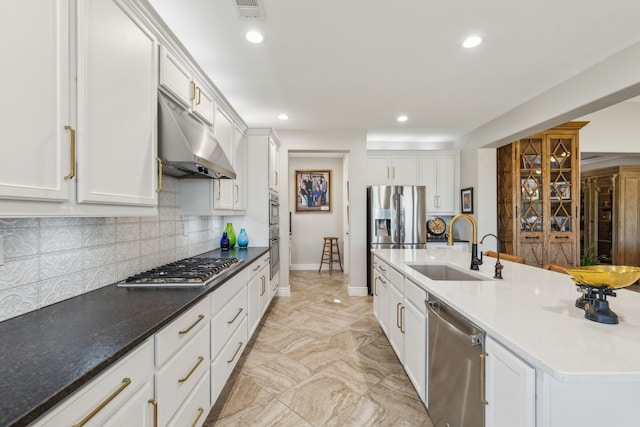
475	262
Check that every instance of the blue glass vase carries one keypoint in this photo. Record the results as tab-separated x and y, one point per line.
224	242
243	239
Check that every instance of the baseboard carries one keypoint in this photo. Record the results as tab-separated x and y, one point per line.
336	267
357	291
283	292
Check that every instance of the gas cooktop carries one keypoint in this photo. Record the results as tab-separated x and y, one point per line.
192	272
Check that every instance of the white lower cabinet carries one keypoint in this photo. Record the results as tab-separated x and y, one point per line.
115	394
381	293
194	411
407	329
258	289
510	388
227	359
414	322
137	411
179	376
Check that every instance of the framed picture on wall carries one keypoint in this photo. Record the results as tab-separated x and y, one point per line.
466	200
313	191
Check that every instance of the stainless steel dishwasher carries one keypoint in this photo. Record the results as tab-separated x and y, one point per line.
456	368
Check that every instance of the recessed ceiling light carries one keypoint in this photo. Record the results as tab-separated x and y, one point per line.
472	41
402	118
254	37
283	117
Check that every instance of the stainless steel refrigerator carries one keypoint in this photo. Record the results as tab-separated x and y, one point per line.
396	219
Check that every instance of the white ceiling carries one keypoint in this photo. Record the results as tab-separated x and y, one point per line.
358	64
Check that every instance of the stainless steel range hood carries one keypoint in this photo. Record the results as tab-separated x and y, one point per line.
188	147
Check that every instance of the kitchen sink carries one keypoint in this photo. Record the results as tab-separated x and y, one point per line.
444	272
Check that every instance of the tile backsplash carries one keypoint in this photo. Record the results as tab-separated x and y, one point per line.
47	260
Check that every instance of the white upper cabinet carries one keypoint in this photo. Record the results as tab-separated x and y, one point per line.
35	145
80	130
223	188
179	80
385	168
240	165
439	172
274	164
117	107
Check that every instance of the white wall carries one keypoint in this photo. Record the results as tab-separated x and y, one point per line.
354	143
612	130
309	228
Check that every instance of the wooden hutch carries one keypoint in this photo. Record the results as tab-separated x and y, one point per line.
611	214
539	196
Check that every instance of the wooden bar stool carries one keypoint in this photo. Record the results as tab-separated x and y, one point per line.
328	253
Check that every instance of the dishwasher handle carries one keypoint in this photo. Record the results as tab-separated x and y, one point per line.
474	339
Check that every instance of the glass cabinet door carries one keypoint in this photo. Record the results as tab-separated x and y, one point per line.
531	188
560	184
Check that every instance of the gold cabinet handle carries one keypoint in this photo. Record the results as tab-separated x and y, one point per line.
125	384
276	172
159	160
234	317
155	411
483	358
219	190
237	193
257	268
200	412
262	280
236	352
199	93
72	142
185	331
200	359
193	90
402	319
398	315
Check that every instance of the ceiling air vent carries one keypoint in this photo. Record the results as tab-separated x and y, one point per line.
250	9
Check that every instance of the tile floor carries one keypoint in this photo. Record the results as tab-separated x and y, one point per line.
319	358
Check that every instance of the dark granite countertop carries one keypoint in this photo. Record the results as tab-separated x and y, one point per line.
47	354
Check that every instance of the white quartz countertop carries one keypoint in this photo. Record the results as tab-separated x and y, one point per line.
532	312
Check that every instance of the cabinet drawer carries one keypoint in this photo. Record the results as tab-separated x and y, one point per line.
227	320
397	279
416	295
383	267
175	335
255	266
137	411
120	382
227	359
178	377
226	291
197	406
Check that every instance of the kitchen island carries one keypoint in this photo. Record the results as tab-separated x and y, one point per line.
584	373
48	354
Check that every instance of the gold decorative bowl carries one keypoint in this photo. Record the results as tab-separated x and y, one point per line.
600	276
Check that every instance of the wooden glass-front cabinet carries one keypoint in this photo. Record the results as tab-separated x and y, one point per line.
611	214
539	195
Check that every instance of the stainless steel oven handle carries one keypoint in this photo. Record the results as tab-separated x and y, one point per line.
473	339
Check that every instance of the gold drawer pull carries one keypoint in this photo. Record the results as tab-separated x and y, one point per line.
155	411
200	412
234	317
236	352
193	90
125	384
200	359
72	161
185	331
